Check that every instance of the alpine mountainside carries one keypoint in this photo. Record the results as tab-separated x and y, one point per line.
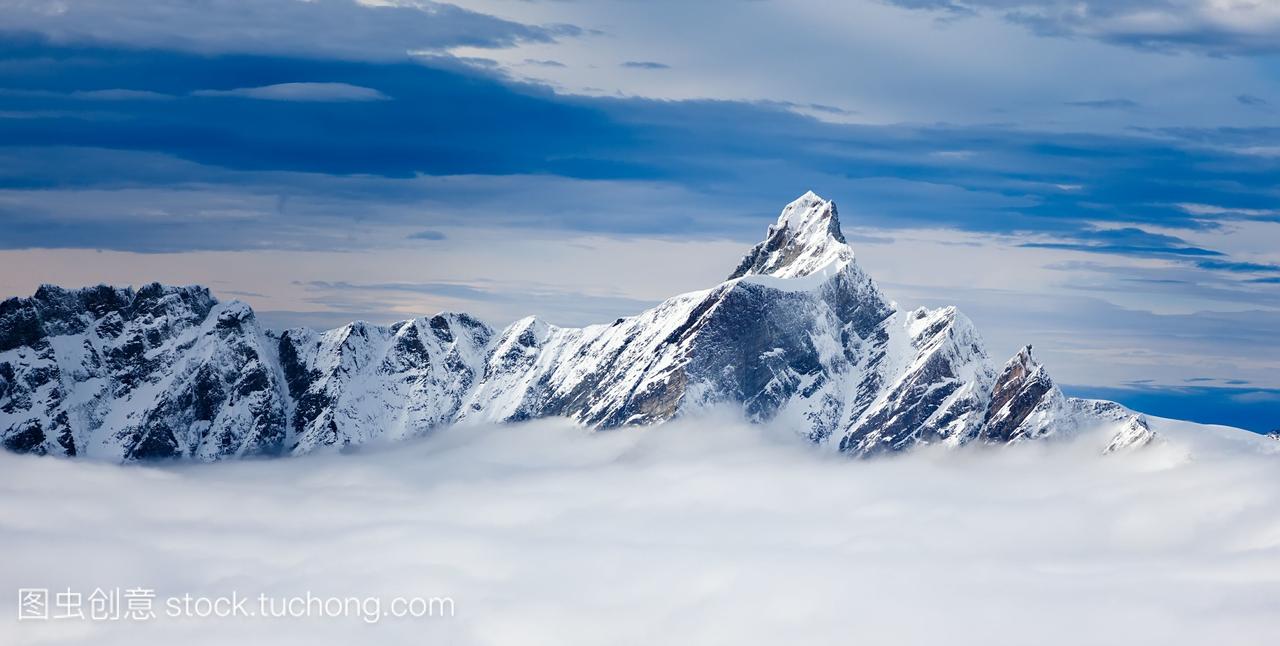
798	334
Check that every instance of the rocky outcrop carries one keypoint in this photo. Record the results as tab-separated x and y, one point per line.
161	372
1025	403
362	381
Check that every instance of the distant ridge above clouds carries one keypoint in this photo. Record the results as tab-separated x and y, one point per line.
799	336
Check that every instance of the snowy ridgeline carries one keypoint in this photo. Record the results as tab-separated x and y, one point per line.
798	336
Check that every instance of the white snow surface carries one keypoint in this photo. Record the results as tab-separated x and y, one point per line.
805	240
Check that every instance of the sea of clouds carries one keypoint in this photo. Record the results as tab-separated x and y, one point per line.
704	531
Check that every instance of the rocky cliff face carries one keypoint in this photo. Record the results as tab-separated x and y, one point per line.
153	373
798	334
1025	403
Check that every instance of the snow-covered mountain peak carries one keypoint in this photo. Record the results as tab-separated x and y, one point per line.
1023	364
811	211
806	239
799	335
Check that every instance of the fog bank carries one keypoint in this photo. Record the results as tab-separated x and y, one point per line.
703	531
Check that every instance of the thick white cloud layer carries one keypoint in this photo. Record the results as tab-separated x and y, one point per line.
700	532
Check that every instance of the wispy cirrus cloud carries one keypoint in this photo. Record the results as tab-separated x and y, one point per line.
1200	26
1130	241
543	62
347	29
120	94
646	65
1105	104
1215	210
427	235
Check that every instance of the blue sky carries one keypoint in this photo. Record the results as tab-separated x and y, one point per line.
1099	178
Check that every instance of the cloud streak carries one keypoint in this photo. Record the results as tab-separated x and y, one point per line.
1129	241
1200	26
646	65
323	92
456	122
1105	104
345	29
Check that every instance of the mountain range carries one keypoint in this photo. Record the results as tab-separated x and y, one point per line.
797	335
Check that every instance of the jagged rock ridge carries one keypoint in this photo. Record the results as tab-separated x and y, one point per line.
798	334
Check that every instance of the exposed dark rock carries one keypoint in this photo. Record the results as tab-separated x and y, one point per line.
1021	388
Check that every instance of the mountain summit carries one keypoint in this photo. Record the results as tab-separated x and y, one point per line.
805	239
798	335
